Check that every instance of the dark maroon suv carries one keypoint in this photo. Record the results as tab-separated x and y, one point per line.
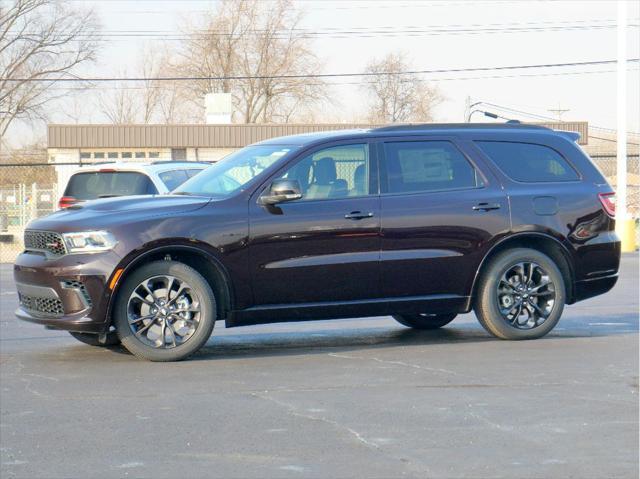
418	222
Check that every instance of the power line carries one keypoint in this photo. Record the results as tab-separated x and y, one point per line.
336	34
361	82
319	75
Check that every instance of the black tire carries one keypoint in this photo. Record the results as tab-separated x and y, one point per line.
207	306
486	304
92	339
424	321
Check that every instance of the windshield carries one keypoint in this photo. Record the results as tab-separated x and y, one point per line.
230	174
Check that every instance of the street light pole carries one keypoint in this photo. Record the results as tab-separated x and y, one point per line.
625	226
621	170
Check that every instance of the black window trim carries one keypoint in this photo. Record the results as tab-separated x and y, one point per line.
485	155
305	152
382	163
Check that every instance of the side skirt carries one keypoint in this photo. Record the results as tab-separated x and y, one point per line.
276	313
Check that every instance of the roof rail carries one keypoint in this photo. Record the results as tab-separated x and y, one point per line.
453	126
163	162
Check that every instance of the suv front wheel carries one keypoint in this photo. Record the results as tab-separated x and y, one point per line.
165	311
521	295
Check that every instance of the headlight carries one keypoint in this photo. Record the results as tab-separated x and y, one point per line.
88	241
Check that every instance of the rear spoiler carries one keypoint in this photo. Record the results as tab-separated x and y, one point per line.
571	135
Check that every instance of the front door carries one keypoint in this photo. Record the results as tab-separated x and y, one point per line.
325	246
441	209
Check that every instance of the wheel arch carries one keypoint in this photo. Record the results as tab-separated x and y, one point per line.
543	242
205	263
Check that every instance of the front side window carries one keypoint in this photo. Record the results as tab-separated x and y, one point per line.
335	172
233	172
528	162
419	166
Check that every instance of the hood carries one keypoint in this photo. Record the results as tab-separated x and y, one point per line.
108	211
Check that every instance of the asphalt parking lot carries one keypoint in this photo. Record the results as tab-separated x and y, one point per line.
330	399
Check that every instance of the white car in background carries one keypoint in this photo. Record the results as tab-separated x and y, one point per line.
106	180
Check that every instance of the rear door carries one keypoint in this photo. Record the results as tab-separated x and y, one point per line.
441	208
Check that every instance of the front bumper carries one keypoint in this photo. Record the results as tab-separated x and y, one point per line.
69	292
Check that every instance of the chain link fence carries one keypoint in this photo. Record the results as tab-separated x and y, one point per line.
31	190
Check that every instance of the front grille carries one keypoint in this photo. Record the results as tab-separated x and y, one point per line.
73	284
44	241
39	304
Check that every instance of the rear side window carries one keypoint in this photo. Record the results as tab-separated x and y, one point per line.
528	162
414	166
102	184
173	178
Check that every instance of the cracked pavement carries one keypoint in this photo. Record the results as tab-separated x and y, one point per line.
340	399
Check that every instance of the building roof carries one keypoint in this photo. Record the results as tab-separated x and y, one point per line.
228	136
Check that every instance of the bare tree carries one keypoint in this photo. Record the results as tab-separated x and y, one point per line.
397	96
257	49
120	104
41	42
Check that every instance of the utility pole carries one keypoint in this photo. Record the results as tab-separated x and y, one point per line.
558	111
467	109
625	226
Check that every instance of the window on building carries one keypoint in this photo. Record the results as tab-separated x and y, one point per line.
528	162
414	166
84	155
98	155
126	154
178	154
140	154
154	154
112	155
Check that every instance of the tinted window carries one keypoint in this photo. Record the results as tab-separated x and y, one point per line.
173	178
426	166
528	162
89	186
335	172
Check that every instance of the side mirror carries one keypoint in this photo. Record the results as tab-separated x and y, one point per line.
281	190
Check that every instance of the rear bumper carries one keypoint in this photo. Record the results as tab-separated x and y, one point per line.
589	288
67	293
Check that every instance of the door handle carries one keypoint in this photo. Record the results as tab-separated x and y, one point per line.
486	206
358	215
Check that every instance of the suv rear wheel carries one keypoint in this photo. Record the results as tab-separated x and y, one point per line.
521	295
424	321
165	311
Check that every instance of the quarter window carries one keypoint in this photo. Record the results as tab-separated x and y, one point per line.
336	172
528	162
415	166
173	178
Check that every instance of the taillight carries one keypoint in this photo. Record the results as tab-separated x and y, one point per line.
66	201
608	201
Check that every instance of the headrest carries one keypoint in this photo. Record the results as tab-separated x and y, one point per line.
324	171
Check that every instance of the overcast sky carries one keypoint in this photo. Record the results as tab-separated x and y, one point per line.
563	32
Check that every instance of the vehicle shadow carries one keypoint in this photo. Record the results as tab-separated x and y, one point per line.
338	338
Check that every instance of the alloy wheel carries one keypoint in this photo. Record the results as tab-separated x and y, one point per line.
163	311
526	295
